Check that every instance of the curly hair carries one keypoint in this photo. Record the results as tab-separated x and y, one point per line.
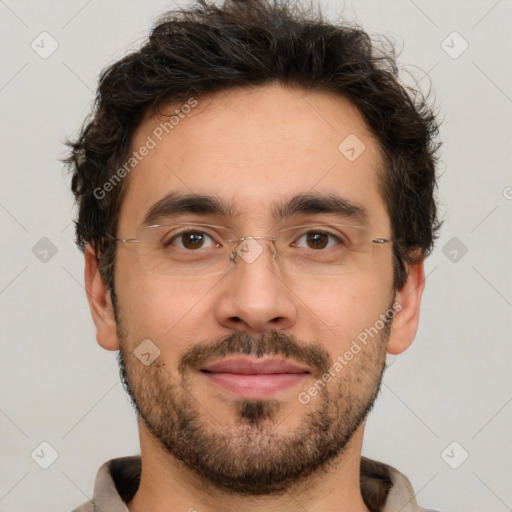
209	48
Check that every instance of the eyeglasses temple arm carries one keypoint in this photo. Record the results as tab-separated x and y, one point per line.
381	240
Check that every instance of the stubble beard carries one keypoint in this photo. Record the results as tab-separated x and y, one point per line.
252	456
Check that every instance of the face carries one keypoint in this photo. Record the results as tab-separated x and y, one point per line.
254	151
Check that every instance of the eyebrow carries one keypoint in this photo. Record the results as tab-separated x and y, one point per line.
320	203
174	204
177	204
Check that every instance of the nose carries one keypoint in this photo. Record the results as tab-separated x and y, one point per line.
255	297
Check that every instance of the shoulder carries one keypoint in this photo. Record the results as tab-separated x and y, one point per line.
116	483
86	507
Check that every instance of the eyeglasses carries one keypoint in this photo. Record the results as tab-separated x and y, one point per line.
198	250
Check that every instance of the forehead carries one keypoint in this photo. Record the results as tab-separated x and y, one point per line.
255	148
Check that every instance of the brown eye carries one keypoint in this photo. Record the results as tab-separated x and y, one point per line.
317	240
193	240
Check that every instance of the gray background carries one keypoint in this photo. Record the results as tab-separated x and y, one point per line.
452	385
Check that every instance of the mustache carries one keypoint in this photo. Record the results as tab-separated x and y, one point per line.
273	343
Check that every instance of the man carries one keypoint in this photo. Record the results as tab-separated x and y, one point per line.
255	194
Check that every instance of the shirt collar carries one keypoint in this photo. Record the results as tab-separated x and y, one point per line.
383	488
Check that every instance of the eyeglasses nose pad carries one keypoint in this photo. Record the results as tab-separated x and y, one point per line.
274	247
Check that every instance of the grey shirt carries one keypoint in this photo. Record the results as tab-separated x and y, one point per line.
384	489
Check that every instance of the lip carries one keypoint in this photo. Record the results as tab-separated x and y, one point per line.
253	366
255	378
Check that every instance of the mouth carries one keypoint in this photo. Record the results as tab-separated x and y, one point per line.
249	377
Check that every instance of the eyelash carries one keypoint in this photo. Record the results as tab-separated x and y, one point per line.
179	236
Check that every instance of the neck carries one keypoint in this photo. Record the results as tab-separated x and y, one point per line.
167	484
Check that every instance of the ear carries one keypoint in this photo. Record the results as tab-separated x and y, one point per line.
100	302
407	305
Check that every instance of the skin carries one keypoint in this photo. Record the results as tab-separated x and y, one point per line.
254	147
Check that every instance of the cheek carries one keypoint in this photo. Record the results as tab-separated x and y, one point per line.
168	312
347	304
